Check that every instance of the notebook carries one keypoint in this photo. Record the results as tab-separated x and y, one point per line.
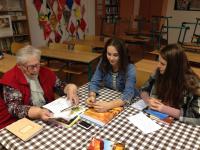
156	113
24	128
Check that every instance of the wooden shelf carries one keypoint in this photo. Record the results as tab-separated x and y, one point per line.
6	11
20	27
18	35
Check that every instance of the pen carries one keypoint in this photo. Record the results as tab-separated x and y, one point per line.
69	108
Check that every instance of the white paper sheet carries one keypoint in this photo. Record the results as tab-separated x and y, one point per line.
140	105
58	105
145	124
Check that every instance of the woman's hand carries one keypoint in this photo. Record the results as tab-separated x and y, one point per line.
45	114
90	101
155	104
39	113
102	106
71	92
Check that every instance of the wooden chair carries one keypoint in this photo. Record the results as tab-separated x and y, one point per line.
76	68
15	46
141	77
56	65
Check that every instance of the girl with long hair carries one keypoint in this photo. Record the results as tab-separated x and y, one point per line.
115	72
174	88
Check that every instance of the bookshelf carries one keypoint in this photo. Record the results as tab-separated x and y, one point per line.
112	8
13	23
112	16
107	12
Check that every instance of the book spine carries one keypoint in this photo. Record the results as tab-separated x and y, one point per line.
92	120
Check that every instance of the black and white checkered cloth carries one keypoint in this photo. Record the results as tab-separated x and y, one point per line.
176	136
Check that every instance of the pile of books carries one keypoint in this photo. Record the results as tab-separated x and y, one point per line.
100	118
162	117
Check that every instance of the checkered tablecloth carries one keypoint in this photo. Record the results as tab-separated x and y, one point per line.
58	138
176	136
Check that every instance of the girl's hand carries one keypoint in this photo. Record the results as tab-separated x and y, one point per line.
155	104
90	101
102	106
145	96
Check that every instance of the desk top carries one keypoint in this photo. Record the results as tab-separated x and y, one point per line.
150	66
84	57
7	63
59	138
176	136
192	56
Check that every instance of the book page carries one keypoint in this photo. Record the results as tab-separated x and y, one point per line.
70	113
140	105
58	105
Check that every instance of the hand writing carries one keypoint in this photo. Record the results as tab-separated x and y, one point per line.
90	101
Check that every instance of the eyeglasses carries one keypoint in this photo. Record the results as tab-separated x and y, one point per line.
32	67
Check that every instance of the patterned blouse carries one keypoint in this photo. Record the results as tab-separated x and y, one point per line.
14	101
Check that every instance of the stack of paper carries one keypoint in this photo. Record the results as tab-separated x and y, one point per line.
145	124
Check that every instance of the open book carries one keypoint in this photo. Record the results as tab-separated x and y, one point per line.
24	129
98	118
64	113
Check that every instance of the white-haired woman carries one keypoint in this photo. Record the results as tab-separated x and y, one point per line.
28	86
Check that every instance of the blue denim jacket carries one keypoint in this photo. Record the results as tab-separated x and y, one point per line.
125	83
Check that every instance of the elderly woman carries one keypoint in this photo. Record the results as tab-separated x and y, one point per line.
28	86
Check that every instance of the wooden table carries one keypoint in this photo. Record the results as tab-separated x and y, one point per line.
73	55
145	67
7	63
191	46
192	57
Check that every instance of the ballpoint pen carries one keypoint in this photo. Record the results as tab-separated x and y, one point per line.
71	107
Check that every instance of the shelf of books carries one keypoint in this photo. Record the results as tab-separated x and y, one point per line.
13	23
112	11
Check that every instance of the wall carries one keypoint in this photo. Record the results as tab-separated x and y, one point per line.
36	32
178	18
